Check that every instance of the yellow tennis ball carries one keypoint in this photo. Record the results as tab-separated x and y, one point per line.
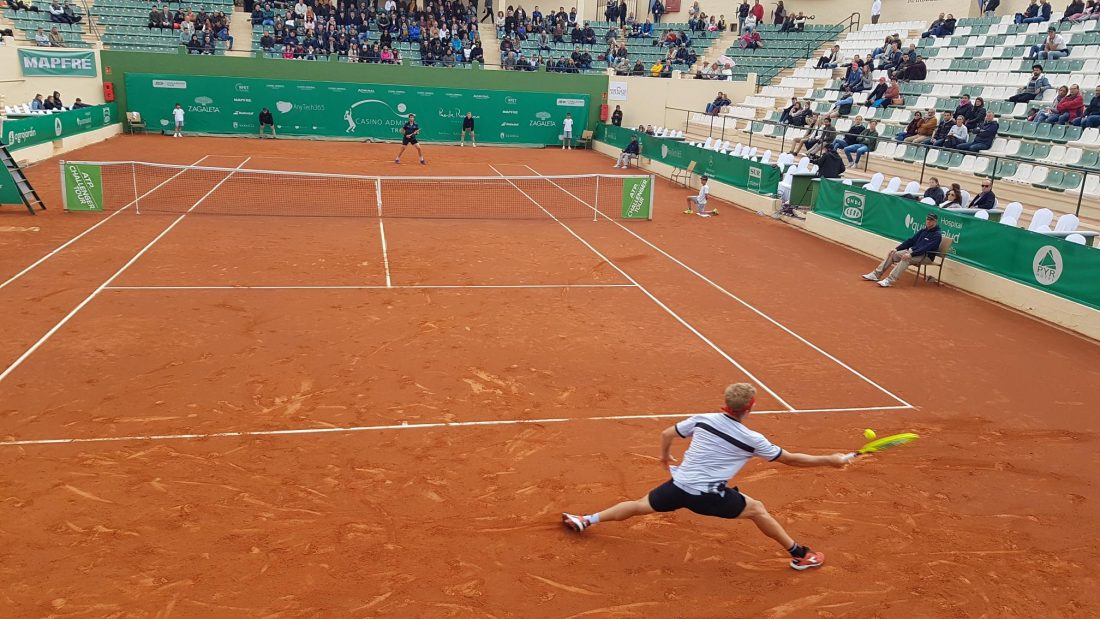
869	434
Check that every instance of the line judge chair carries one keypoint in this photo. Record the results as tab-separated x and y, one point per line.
682	176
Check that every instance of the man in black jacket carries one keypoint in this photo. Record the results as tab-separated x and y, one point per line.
921	247
617	116
986	198
829	164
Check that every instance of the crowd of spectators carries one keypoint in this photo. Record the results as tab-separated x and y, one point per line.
53	39
53	103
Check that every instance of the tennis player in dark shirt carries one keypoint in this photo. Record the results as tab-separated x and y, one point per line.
468	125
266	120
410	131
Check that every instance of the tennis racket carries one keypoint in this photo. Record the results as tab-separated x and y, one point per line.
882	443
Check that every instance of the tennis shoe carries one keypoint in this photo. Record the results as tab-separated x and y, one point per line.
688	212
870	277
714	212
812	559
576	523
397	161
422	162
885	283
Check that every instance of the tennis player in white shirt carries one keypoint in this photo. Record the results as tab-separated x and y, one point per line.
177	116
698	204
720	446
567	132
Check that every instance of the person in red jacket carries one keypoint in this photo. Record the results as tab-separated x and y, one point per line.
758	12
1070	107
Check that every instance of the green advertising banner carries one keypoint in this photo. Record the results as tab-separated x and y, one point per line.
83	189
1044	262
347	110
42	128
9	193
741	173
38	62
638	198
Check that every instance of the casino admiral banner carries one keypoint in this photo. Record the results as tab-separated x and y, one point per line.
1051	264
230	105
42	128
741	173
37	62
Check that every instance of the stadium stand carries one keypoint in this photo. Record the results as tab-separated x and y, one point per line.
29	21
984	57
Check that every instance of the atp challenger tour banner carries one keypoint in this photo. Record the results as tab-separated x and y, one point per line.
347	110
41	128
1044	262
741	173
83	189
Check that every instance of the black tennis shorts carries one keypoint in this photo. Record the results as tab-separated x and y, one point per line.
668	497
408	140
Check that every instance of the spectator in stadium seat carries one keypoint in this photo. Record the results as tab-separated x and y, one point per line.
751	40
917	71
1073	9
990	7
1071	107
892	96
953	197
156	19
985	199
1052	48
947	121
795	105
934	191
864	143
1091	116
850	136
975	114
829	59
877	93
984	135
890	58
1050	113
927	128
829	164
910	129
933	28
19	5
963	108
956	135
634	149
842	107
77	104
70	14
821	135
918	248
720	101
41	39
56	38
1034	88
1035	13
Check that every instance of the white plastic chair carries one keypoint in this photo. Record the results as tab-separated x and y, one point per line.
736	152
1067	223
1040	221
1009	221
965	197
913	188
876	182
893	185
804	164
847	181
1076	238
766	157
983	214
927	200
708	143
1013	210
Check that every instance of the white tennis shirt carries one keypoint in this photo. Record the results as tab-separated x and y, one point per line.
567	125
720	447
177	114
704	193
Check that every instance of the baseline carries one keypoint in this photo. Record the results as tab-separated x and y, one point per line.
666	308
96	225
746	304
410	426
19	361
371	287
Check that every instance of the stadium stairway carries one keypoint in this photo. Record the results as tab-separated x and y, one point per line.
490	45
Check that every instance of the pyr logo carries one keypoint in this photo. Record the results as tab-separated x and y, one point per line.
853	204
664	151
106	115
1047	265
57	126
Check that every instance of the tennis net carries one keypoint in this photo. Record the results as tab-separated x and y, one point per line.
167	188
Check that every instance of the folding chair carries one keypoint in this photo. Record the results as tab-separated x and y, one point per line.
683	176
938	258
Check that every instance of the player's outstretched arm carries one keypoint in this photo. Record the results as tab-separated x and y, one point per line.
791	458
667	436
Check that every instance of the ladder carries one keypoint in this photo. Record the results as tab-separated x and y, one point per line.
21	184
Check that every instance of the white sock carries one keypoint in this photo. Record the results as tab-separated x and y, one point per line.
593	519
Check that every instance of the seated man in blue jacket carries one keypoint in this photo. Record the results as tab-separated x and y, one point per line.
920	247
984	135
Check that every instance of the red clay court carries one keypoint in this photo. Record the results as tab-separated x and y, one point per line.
272	416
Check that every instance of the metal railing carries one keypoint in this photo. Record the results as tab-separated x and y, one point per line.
724	125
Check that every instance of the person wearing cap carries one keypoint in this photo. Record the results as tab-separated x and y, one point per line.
1053	47
409	132
698	204
632	150
921	247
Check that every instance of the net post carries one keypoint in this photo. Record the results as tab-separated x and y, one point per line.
133	179
596	202
64	194
378	194
652	190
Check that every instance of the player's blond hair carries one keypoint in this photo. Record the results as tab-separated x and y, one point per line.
738	396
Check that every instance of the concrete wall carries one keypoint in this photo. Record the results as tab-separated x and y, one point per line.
34	154
18	89
648	99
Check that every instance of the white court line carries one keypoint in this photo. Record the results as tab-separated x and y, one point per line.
93	227
741	301
369	287
401	426
42	340
713	346
382	233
